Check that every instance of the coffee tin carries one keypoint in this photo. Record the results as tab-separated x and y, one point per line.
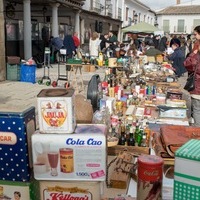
150	175
66	160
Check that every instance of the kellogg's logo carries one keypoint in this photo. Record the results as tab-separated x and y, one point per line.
66	194
54	114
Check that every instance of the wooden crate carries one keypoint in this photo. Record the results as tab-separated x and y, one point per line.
134	150
121	171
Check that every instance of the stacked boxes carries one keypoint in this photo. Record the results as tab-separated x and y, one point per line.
69	160
13	68
16	128
187	173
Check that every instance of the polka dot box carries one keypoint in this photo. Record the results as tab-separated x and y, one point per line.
187	171
16	129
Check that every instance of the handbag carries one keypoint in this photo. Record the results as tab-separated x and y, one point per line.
190	83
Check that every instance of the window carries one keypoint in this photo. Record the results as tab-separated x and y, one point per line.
181	26
166	26
127	9
196	22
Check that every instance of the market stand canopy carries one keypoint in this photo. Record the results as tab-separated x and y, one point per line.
141	27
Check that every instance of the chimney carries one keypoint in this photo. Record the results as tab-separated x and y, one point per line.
178	2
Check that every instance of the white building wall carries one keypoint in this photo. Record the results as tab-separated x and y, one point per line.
143	13
173	22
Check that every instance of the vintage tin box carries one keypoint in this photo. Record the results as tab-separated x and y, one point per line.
187	173
79	156
10	190
56	111
16	128
50	190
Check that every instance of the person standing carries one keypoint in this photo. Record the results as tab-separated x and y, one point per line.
94	45
104	42
57	44
192	64
76	40
177	57
69	46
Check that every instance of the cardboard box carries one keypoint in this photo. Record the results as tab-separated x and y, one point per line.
187	173
23	190
79	156
50	190
56	111
173	112
15	152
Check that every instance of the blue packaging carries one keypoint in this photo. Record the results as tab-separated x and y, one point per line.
16	129
28	73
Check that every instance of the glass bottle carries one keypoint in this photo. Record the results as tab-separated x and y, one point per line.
131	140
144	140
140	136
122	139
148	134
137	132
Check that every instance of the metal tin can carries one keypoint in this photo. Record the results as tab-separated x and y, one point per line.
150	175
66	160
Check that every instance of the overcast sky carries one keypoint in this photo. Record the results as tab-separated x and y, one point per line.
159	4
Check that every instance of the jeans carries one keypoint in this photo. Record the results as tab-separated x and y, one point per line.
196	111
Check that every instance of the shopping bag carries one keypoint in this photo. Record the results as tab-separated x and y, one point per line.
190	83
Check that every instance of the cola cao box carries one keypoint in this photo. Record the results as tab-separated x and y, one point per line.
56	110
78	156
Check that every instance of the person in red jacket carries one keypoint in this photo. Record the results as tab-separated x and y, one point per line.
192	63
76	40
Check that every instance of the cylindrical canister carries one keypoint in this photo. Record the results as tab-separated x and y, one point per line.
150	174
66	160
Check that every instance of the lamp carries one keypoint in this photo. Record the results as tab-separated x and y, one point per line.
101	7
10	11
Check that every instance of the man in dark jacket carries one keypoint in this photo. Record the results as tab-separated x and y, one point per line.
69	45
57	44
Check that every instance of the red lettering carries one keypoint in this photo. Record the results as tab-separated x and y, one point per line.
151	173
55	115
61	196
5	138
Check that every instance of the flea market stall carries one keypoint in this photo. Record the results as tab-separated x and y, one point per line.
131	146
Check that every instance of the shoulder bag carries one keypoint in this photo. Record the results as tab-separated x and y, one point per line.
190	83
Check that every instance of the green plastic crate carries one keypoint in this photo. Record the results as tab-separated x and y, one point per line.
74	61
13	72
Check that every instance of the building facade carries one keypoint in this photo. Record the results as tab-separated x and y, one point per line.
179	19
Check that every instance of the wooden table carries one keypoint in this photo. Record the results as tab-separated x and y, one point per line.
76	69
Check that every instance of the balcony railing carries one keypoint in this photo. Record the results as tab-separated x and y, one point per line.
119	14
109	10
96	6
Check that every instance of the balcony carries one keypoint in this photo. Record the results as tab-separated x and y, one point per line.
96	6
109	10
119	14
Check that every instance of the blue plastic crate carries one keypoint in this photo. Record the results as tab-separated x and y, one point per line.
27	73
